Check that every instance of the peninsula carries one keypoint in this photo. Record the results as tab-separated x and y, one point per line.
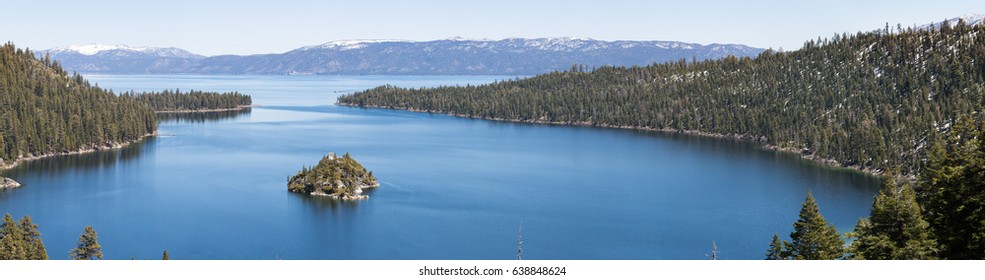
193	101
336	177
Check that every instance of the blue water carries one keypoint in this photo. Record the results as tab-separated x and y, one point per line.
452	188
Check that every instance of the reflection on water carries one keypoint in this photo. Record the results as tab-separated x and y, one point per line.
203	117
324	203
56	165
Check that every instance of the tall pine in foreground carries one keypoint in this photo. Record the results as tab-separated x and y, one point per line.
32	239
952	189
88	246
21	240
895	229
813	238
11	240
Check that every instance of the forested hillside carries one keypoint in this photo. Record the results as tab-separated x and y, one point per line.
868	100
43	110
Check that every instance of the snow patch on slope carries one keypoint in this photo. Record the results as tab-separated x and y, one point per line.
92	49
350	44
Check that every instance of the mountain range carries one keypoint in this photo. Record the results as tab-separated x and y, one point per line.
514	56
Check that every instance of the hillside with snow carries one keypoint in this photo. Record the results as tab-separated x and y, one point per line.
453	56
969	19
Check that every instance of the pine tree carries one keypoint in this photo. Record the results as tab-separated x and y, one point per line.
895	229
778	249
32	239
88	247
12	245
813	238
166	256
952	190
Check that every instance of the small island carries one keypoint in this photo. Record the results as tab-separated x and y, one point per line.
336	177
6	183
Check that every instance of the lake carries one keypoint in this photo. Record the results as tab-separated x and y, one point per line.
214	187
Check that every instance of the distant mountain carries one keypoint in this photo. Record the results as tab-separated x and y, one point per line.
96	58
969	19
450	56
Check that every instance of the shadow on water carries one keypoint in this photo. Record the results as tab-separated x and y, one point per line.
87	161
203	117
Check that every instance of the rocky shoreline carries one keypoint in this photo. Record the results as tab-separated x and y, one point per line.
92	148
357	193
744	137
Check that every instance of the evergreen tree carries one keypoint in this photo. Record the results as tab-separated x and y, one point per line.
88	246
166	256
21	240
952	190
895	229
813	238
32	239
12	245
778	249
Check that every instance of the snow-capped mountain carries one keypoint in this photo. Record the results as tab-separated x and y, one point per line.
349	44
99	58
480	56
969	19
513	56
100	49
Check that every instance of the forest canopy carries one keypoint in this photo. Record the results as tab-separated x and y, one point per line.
194	100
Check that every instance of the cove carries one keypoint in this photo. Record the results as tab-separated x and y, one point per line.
214	186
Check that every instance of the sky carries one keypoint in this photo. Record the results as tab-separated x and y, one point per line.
213	27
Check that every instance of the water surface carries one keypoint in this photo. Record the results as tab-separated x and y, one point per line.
214	187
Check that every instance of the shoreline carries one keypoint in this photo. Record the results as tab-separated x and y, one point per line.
237	108
742	137
90	149
358	195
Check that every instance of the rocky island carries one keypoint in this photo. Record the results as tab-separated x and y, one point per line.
6	183
336	177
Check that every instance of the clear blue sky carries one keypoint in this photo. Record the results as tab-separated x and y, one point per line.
250	27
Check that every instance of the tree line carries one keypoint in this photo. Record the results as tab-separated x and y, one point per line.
869	100
194	100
